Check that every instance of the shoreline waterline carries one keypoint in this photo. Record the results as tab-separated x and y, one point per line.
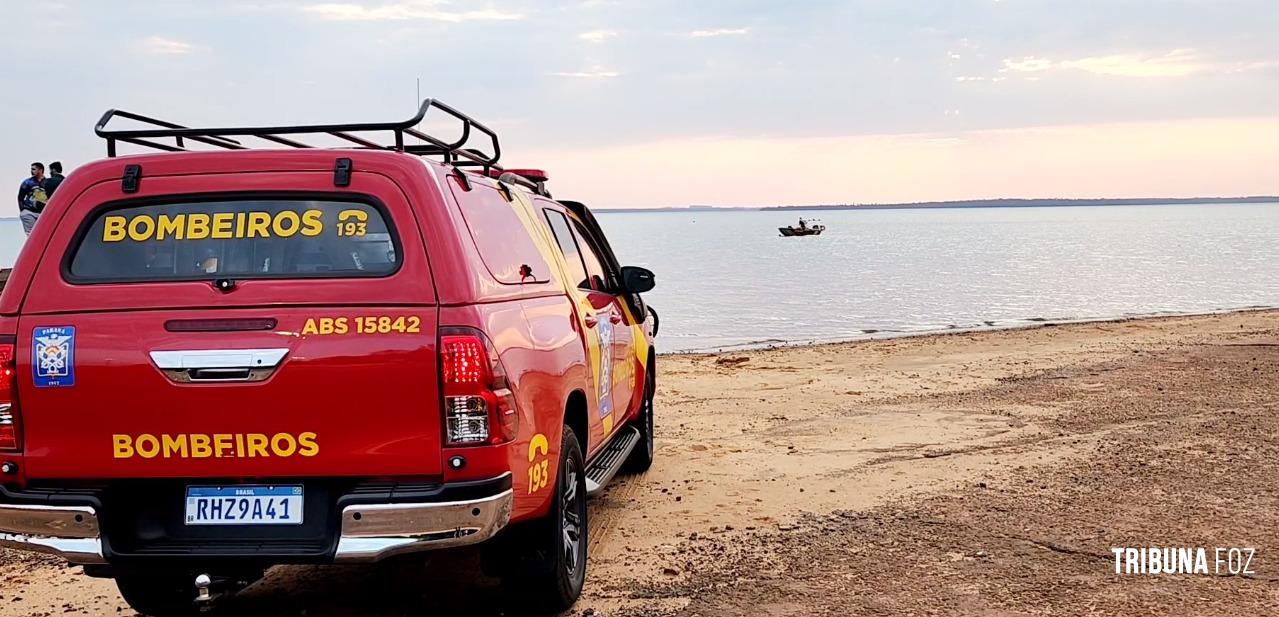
1027	324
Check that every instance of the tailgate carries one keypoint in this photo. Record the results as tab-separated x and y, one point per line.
281	333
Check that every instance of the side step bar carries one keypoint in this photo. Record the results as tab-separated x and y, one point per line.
606	465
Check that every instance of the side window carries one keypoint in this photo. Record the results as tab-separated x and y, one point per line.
564	238
501	236
597	276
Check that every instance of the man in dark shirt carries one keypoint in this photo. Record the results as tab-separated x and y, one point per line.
55	178
31	197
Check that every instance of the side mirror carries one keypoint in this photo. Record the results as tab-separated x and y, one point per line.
637	280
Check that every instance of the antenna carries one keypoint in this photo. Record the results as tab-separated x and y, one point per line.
417	104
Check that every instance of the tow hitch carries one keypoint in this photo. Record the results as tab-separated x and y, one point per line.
202	584
210	590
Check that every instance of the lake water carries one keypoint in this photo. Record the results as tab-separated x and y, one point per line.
727	279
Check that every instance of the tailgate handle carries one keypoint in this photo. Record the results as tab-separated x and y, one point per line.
200	359
219	374
218	365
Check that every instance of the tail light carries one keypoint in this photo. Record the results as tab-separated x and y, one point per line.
479	407
8	400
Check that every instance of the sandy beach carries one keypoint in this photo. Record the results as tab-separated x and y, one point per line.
986	473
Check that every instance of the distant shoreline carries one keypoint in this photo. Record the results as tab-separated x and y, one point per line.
963	203
970	203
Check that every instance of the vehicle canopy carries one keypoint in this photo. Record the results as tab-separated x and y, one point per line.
238	274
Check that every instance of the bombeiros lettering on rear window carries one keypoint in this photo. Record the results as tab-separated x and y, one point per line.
216	445
219	226
230	225
240	238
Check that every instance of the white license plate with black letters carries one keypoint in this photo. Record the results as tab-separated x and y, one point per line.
244	505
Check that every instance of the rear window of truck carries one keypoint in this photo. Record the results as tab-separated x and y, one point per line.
234	238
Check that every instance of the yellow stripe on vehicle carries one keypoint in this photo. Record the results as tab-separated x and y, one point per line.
526	210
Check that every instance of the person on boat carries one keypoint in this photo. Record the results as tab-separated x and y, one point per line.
803	224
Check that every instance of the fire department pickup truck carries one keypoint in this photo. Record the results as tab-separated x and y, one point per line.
219	358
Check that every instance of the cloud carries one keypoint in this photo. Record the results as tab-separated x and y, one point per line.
592	74
597	36
1029	64
422	10
706	34
162	46
1175	63
1263	65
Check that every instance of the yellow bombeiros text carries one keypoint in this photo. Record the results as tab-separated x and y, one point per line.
217	226
217	445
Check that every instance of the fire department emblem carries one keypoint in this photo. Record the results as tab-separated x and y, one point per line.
53	356
606	366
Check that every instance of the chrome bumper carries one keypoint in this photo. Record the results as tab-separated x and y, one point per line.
369	532
378	531
70	532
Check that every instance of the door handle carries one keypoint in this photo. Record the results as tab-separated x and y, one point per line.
590	321
615	318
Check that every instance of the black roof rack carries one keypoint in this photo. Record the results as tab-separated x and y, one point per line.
452	152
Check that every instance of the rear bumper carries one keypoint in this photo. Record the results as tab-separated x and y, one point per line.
368	532
70	532
376	531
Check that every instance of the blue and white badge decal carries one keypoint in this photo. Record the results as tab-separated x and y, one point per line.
53	356
606	365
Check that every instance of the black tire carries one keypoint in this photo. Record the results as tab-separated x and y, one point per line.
159	595
641	457
550	564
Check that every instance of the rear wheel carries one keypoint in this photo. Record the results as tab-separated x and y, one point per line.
550	561
642	456
159	595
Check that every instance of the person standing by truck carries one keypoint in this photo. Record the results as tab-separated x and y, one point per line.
55	178
32	197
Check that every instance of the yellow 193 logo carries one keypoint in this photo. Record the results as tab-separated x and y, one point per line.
538	472
353	223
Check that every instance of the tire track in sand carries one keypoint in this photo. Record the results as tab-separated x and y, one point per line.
607	510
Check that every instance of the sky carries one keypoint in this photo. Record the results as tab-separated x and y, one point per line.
707	102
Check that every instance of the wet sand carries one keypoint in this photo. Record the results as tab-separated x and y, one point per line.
985	473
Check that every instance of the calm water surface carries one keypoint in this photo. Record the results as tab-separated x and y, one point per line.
727	279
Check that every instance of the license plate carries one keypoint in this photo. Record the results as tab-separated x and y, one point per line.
244	505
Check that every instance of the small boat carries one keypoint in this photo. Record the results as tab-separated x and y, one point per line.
804	229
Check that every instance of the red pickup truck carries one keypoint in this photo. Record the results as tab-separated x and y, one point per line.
220	358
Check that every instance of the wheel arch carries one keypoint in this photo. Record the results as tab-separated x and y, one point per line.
575	417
